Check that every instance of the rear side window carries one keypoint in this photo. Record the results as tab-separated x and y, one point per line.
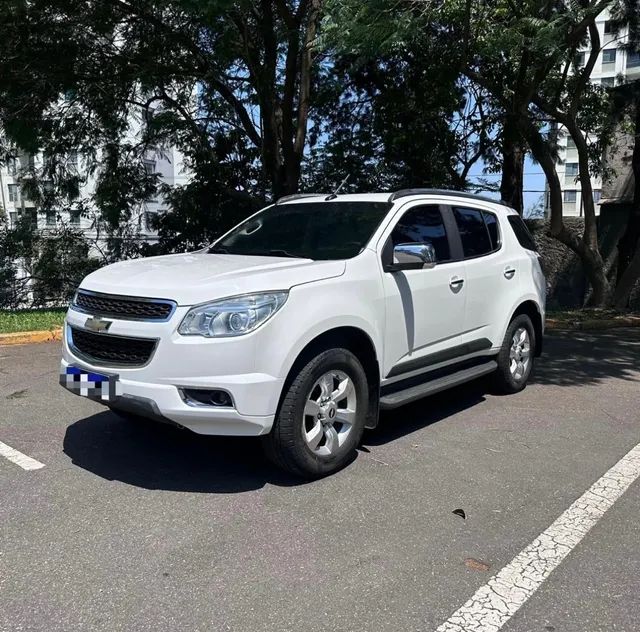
423	224
522	233
491	221
473	232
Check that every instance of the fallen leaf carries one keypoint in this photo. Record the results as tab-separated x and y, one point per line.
476	565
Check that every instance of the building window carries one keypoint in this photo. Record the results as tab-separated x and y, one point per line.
149	219
609	56
578	60
150	169
51	218
570	196
633	59
608	82
597	196
32	214
572	169
608	28
74	218
571	144
14	192
12	166
73	190
13	218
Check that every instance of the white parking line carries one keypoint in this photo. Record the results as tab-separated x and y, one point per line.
24	461
501	597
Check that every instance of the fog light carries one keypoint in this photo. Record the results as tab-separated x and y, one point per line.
207	397
220	398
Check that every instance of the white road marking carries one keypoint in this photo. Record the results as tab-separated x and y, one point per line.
501	597
24	461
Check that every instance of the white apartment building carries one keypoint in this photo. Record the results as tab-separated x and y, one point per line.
614	66
15	203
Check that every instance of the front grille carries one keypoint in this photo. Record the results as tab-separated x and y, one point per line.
124	307
111	350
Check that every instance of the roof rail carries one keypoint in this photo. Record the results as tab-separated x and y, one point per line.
445	192
295	196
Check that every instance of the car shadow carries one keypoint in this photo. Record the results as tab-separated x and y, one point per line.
408	419
153	455
158	456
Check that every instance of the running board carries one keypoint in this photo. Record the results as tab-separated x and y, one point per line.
400	398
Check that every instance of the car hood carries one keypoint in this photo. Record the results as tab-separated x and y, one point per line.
195	278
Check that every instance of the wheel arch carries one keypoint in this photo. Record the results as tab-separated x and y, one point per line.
532	310
360	344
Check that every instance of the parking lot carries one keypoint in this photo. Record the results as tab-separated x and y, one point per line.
139	526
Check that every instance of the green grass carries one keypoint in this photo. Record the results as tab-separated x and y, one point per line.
30	320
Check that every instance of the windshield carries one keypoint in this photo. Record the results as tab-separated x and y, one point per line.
310	230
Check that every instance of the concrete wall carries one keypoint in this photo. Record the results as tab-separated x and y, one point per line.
566	284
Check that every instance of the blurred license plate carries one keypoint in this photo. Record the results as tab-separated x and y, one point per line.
90	384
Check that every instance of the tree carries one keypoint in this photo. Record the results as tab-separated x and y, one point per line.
41	269
522	55
198	72
626	109
359	129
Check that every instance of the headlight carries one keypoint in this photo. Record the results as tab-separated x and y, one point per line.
231	316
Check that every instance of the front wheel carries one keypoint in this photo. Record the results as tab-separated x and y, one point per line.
515	360
322	415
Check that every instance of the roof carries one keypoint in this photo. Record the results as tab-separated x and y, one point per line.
388	197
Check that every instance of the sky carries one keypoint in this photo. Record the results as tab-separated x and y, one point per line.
534	181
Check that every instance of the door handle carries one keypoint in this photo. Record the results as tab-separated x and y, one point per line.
455	283
509	273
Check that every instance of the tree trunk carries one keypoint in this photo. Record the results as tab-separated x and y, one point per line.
512	166
587	251
629	244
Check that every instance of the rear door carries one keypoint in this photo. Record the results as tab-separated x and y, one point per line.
491	276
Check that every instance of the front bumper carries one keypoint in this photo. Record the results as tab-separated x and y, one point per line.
154	390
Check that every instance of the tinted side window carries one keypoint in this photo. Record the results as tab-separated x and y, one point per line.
423	224
492	226
473	232
522	233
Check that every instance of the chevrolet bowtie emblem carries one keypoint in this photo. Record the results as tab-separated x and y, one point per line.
95	323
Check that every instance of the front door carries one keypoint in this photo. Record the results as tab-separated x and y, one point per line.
425	309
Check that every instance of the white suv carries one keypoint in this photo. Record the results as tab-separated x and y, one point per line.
307	318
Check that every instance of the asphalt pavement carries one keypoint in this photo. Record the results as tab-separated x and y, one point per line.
139	526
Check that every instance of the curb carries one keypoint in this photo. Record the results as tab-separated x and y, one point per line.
30	337
592	325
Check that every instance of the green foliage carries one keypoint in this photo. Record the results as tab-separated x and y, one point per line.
39	269
230	84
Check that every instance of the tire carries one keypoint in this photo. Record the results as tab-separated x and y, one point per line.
314	435
506	380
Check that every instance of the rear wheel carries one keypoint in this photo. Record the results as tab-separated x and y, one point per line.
515	360
321	417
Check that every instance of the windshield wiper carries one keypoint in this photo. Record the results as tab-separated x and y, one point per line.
284	253
275	252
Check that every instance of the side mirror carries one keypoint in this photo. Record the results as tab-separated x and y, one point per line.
413	256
